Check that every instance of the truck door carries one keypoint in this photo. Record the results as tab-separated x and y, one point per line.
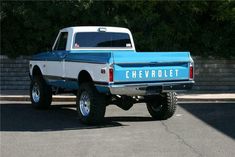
55	65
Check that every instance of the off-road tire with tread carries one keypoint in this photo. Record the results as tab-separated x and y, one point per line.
163	106
97	104
45	93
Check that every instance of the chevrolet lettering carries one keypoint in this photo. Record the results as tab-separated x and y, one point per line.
152	74
101	67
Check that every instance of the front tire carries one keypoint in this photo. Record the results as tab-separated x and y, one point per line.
163	106
40	93
91	105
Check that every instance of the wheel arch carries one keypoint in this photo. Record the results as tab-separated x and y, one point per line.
36	72
84	76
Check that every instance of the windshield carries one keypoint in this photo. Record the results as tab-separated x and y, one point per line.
102	39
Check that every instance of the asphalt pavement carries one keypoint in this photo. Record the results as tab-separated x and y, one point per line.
198	129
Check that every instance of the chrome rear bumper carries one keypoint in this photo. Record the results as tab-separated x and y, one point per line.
149	88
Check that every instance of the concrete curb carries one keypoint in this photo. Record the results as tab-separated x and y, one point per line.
207	97
181	97
27	98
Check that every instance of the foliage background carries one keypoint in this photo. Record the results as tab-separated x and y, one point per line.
205	28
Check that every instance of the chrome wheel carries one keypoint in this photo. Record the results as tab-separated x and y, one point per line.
36	93
84	103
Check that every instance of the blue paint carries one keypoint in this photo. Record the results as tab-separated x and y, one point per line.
102	89
149	66
89	57
74	56
73	85
151	57
150	73
66	84
51	56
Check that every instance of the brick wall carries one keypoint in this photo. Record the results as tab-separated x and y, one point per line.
14	74
214	74
210	74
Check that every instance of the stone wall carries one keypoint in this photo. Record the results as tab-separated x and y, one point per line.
14	74
214	74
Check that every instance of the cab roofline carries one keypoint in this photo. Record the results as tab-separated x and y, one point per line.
95	29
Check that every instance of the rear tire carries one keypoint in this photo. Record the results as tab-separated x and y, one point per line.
40	93
163	106
91	105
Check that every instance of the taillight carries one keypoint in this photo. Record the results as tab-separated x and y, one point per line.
191	71
110	74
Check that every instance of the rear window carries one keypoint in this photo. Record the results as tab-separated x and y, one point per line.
102	39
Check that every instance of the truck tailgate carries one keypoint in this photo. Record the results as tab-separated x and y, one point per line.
151	67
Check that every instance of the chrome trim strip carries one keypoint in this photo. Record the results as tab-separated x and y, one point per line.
152	63
151	84
161	80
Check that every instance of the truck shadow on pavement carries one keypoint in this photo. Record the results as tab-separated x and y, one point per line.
220	116
22	117
129	119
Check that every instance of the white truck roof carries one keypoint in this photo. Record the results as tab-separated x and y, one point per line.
73	30
95	29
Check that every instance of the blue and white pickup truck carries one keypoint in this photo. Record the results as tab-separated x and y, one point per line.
101	66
